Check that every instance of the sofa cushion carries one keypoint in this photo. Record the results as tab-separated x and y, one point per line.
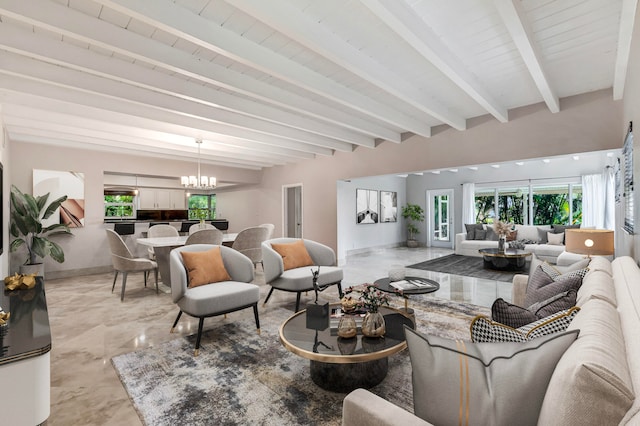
480	234
491	234
555	239
557	303
482	383
294	255
528	232
204	267
485	330
597	285
591	383
471	230
556	273
511	315
542	235
560	229
541	286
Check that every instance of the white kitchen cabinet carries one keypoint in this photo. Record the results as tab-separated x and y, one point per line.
161	199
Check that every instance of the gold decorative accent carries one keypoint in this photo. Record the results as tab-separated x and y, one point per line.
20	282
196	352
172	330
259	331
4	317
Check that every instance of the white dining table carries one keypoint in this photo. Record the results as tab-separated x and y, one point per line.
162	246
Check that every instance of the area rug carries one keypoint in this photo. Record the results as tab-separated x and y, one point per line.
242	378
469	266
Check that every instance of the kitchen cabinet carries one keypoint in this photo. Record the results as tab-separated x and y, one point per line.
161	199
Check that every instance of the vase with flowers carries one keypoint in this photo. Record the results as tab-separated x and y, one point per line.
502	229
369	298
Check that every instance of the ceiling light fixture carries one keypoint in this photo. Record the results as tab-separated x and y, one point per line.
198	182
576	157
495	166
436	172
520	163
474	168
453	170
546	161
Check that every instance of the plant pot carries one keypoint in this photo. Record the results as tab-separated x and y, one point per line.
412	243
36	268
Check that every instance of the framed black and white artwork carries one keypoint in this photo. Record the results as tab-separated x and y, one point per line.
366	206
388	206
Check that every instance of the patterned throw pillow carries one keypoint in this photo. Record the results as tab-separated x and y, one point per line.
557	303
512	315
485	330
471	230
542	287
556	274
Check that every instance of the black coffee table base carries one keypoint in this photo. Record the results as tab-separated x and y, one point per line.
347	377
505	263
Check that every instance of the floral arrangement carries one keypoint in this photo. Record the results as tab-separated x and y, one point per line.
369	298
502	228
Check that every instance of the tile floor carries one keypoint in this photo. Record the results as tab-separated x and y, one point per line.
90	325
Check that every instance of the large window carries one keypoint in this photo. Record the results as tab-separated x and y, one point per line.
202	206
627	154
532	204
119	205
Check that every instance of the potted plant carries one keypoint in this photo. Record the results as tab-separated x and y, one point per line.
413	213
27	213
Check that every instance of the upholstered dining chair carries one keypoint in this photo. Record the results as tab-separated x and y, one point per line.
249	242
271	227
292	272
160	230
199	227
205	236
209	280
123	261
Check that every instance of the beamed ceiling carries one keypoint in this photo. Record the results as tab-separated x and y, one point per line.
267	83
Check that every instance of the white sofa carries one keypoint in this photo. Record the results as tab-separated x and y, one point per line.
596	379
547	252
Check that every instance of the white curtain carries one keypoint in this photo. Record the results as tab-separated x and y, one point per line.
593	201
610	198
468	204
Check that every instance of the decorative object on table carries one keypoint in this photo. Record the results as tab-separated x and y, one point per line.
347	327
20	281
4	317
370	299
317	315
412	213
27	216
502	229
366	206
396	273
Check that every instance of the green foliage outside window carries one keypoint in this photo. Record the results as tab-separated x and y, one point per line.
118	206
202	206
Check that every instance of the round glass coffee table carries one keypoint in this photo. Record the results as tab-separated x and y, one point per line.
342	365
508	260
412	286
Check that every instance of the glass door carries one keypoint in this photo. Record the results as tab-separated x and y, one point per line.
440	204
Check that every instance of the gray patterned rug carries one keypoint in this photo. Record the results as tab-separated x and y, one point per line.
468	266
244	378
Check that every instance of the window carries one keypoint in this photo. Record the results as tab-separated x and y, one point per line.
627	153
485	205
119	204
202	206
513	205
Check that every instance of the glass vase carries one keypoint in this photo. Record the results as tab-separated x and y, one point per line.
373	324
502	239
347	327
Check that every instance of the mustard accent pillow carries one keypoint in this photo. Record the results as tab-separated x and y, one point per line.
205	267
294	255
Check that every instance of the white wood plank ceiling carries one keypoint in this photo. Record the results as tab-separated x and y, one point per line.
265	83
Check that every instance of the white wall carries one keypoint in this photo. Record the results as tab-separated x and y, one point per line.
4	201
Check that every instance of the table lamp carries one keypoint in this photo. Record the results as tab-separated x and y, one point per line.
592	242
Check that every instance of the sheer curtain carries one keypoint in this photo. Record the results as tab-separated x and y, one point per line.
594	196
610	198
468	204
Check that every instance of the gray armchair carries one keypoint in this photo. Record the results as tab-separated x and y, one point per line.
249	242
299	280
123	261
160	230
214	299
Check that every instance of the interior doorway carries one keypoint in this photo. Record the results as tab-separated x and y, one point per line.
292	210
440	218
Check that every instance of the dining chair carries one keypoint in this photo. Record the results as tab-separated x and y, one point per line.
230	288
199	227
249	242
161	230
123	261
205	236
271	227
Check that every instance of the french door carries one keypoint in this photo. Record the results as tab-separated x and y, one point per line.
440	218
292	210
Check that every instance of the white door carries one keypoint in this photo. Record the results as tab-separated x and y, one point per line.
440	218
292	209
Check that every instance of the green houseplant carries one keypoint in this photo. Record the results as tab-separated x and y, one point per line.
413	213
27	213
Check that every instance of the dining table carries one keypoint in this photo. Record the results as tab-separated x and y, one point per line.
162	247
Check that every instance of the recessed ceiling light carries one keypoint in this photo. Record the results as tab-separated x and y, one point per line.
609	154
473	168
436	172
576	157
520	163
402	176
495	166
453	170
418	173
546	161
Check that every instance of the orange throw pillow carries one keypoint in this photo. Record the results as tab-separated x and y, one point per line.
204	267
294	255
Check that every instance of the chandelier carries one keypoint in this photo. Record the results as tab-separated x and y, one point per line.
198	182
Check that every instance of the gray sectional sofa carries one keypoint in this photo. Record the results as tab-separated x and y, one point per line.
596	380
543	250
